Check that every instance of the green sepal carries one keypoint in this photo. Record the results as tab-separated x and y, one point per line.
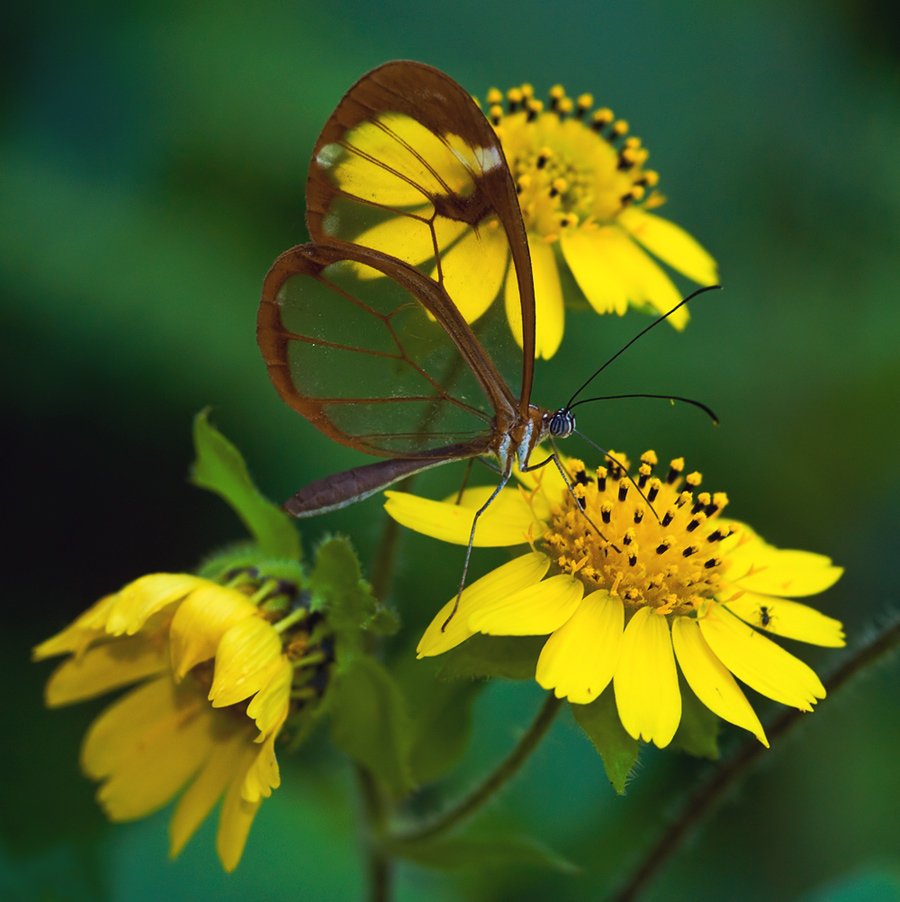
369	721
481	852
338	588
698	732
441	713
246	556
619	751
384	623
220	468
480	656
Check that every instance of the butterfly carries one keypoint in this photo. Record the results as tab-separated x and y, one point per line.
382	331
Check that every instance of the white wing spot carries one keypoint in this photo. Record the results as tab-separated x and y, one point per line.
328	155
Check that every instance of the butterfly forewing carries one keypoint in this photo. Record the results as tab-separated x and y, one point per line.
408	166
416	232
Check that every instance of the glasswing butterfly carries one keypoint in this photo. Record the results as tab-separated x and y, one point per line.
377	330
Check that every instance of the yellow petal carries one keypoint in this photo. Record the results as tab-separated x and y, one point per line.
646	681
756	566
269	706
651	287
473	269
580	658
236	817
201	621
548	299
710	679
505	522
534	611
504	581
759	662
249	655
790	619
161	758
105	667
410	238
388	160
221	768
263	775
139	601
513	305
592	256
670	243
79	634
120	725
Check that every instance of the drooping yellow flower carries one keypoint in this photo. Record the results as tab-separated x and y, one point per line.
585	197
216	665
629	580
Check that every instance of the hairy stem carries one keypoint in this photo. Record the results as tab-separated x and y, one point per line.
502	775
707	795
375	816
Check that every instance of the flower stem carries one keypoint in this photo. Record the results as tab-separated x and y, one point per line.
375	815
710	791
384	559
502	775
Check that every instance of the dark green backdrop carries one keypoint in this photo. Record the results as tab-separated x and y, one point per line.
152	165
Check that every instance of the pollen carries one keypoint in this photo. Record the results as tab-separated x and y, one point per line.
664	558
574	168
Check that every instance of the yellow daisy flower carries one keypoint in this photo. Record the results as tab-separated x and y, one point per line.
629	580
585	197
217	668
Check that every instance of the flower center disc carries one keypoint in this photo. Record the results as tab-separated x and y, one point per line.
666	560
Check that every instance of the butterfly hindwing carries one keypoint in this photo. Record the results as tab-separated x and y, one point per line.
333	346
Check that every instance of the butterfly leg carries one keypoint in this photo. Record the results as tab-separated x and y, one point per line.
465	481
565	477
478	513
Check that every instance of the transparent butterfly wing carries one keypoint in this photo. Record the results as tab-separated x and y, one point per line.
415	227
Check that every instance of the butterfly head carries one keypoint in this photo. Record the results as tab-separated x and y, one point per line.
560	424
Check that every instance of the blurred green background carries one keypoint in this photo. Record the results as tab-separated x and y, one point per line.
152	165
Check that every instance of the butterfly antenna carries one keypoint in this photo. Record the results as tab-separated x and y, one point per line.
640	334
707	410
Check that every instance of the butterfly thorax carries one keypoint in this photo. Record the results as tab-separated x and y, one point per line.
516	441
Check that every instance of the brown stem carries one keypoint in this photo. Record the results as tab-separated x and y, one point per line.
505	772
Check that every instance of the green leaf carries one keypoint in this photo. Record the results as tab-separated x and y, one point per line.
480	656
370	723
338	587
482	852
698	732
619	751
441	716
220	468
